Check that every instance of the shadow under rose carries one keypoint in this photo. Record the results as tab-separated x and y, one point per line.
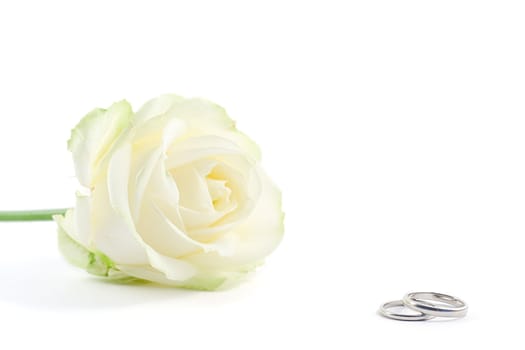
52	284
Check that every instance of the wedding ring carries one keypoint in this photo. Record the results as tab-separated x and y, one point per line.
385	311
425	303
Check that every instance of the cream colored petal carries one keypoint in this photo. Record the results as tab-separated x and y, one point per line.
204	147
168	236
259	234
193	189
71	250
157	132
79	255
242	141
66	222
118	173
169	240
94	136
173	269
200	282
202	116
194	159
207	118
141	180
112	233
263	230
245	190
209	233
221	195
82	219
197	219
158	231
156	107
201	216
164	193
149	149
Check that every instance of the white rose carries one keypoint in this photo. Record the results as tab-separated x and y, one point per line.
173	193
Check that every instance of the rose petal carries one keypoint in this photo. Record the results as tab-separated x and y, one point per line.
193	189
118	172
173	269
158	231
204	147
113	229
93	137
82	219
202	116
156	107
258	235
146	159
199	282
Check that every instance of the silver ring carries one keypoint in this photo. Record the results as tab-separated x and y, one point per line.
424	302
384	310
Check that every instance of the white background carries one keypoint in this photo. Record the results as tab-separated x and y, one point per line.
394	128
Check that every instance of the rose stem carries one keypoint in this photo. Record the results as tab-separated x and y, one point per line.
30	215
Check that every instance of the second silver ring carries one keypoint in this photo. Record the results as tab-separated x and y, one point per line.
425	302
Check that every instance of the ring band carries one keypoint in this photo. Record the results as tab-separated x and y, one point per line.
423	302
384	310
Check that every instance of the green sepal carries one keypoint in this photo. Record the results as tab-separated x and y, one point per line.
95	263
